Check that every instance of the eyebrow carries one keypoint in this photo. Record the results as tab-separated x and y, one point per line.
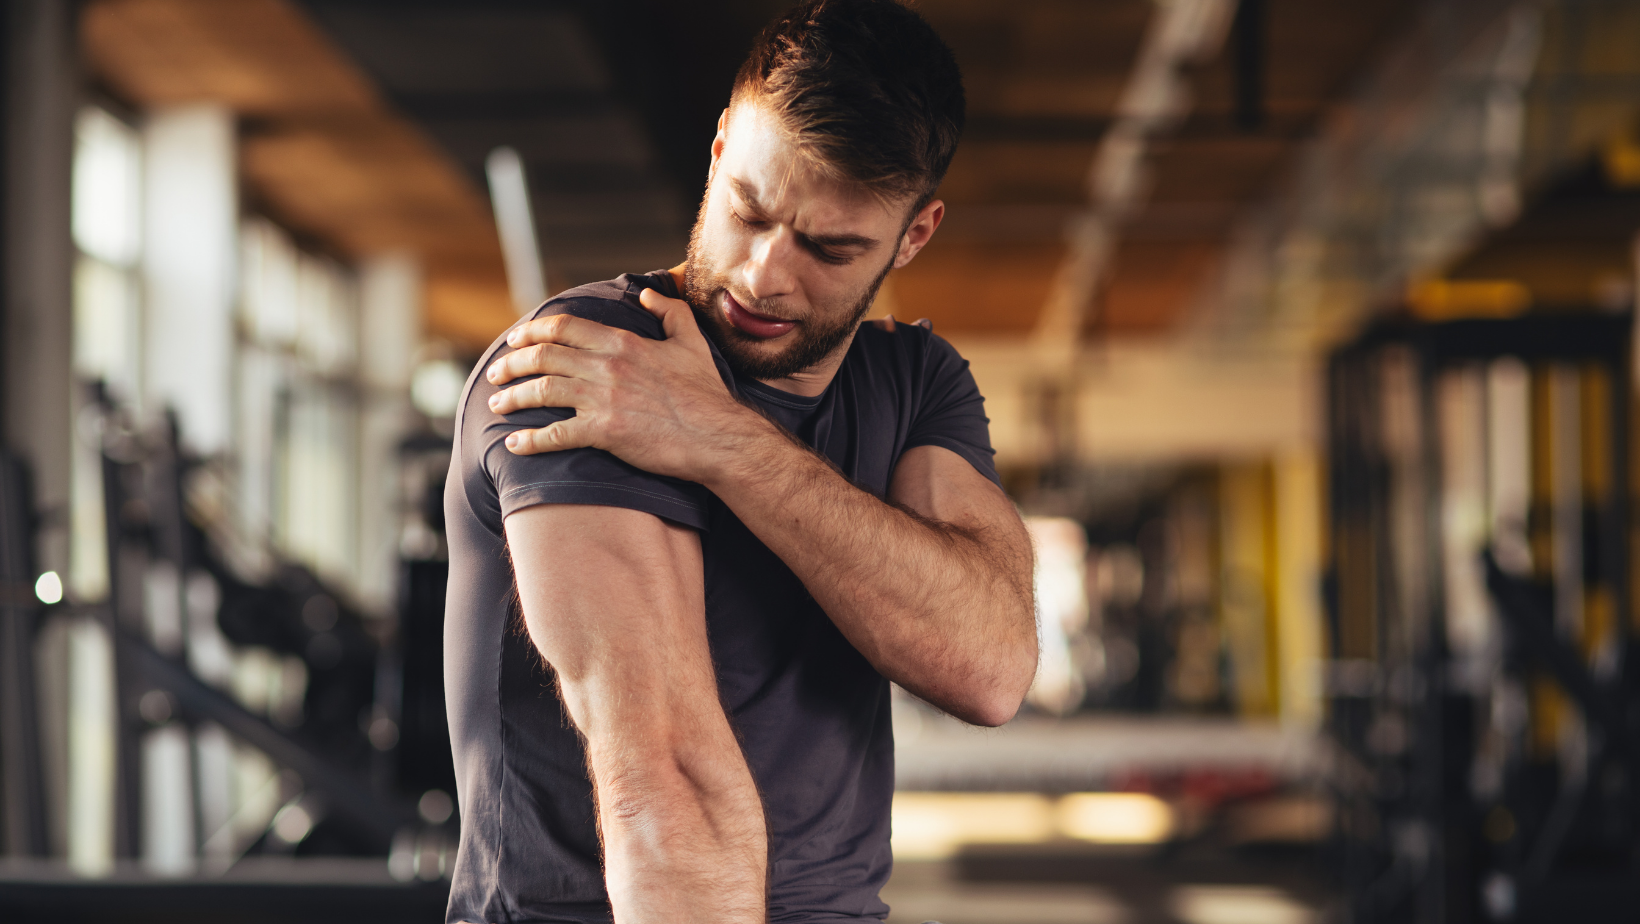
746	193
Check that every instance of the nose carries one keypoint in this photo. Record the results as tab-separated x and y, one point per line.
768	272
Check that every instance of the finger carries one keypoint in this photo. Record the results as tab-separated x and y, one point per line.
675	314
539	359
573	433
566	329
546	391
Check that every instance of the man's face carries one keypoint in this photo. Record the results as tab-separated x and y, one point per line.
783	263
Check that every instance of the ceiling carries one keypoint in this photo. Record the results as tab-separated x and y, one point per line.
367	123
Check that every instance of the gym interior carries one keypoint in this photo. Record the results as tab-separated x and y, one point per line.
1305	329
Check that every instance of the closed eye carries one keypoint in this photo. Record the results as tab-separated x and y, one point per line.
826	256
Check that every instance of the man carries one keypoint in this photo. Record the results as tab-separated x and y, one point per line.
732	519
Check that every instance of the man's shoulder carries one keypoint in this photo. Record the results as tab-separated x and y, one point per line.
611	301
912	348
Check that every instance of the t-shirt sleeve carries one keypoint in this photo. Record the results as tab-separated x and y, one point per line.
574	476
952	411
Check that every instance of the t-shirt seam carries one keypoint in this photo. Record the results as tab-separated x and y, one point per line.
602	484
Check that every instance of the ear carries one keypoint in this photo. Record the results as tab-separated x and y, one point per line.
718	141
919	231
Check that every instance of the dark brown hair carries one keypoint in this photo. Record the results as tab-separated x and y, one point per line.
865	89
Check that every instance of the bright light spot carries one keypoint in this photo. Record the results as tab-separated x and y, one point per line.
931	825
106	215
292	824
49	588
934	825
435	806
1238	905
401	856
435	388
1115	818
1061	610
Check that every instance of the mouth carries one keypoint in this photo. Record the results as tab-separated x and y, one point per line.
760	326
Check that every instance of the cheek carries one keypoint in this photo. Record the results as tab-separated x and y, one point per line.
724	242
841	288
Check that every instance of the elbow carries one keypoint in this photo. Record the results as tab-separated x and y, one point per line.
997	702
992	711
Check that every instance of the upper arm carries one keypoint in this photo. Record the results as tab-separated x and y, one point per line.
937	484
948	470
614	600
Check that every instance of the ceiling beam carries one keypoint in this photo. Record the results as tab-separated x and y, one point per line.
322	150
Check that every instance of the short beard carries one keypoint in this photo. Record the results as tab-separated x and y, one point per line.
701	288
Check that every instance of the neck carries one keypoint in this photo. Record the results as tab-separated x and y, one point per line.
810	382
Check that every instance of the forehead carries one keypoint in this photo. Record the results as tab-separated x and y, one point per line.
762	159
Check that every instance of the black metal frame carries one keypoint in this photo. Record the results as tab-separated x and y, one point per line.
21	769
1412	838
143	478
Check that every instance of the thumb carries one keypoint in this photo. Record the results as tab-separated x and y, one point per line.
675	315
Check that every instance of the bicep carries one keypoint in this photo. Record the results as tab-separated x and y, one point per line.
614	600
937	484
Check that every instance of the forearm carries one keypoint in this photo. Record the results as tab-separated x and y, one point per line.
944	611
683	834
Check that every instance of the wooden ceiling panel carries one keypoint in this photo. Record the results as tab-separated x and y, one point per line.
977	288
1215	168
1153	284
386	180
1220	160
1064	36
1018	173
320	150
467	310
1312	49
1044	95
324	152
260	57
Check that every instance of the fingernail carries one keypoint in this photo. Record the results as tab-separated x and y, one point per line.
495	400
512	441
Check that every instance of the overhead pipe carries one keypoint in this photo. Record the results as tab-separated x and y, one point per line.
515	221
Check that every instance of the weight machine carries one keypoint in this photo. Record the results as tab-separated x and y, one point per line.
1484	685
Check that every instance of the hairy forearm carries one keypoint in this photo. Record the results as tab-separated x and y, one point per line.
944	611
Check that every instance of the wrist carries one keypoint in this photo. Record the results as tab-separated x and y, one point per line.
743	443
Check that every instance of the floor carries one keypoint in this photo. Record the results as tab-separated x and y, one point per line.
1021	890
1216	873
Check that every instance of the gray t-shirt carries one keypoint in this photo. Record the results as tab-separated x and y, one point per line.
812	713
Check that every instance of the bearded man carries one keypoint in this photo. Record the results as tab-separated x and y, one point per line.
718	515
